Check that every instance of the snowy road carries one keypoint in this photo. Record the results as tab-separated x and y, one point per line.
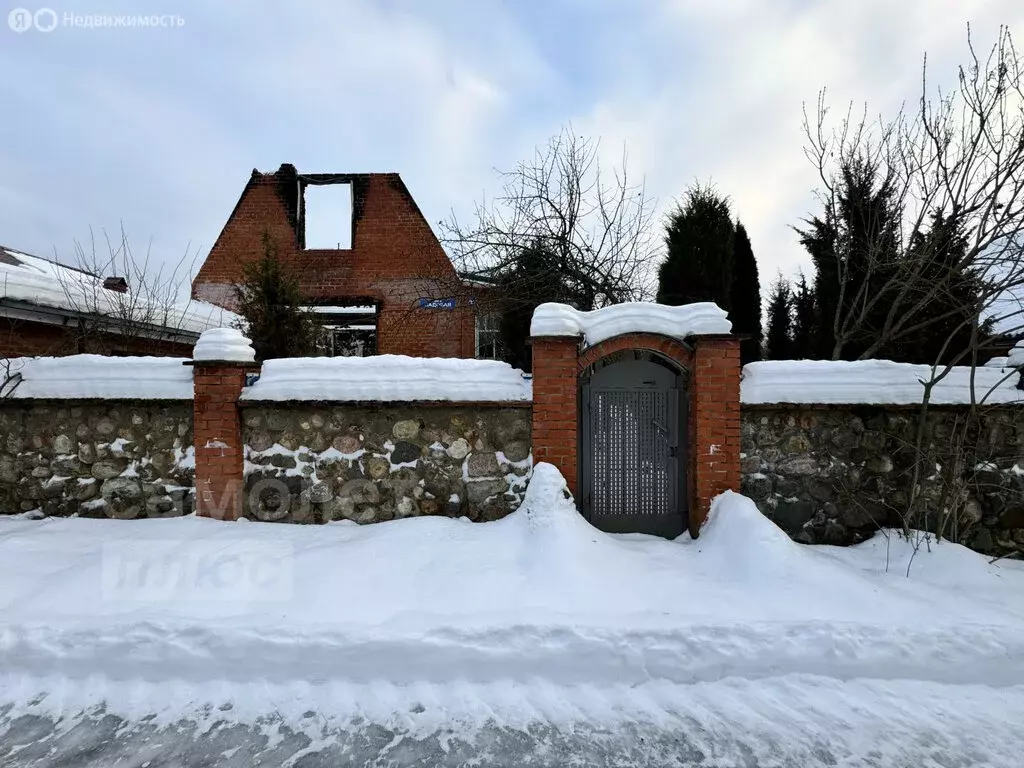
535	640
797	720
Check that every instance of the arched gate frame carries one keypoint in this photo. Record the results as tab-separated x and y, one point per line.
708	447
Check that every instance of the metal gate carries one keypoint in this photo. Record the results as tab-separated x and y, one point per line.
631	448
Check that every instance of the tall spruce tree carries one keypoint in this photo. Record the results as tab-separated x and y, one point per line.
856	255
820	242
270	303
805	321
699	239
779	337
946	320
859	262
745	296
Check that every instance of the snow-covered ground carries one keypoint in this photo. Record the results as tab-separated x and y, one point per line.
534	640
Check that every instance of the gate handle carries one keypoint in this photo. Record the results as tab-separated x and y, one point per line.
659	426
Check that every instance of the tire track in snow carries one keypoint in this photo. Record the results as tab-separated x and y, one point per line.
965	654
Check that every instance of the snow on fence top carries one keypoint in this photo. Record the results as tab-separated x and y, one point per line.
224	344
1016	356
698	319
96	376
386	378
880	382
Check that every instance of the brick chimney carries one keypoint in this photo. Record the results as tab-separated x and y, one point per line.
118	284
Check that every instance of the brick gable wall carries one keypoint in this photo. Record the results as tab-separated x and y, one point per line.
395	259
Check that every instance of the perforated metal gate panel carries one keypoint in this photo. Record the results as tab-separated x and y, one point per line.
630	449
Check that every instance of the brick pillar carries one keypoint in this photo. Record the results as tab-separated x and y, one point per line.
217	427
715	422
221	358
554	403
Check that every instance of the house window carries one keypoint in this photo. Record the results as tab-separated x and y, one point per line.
328	210
351	341
488	336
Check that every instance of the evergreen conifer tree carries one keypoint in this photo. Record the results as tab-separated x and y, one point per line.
947	318
779	337
855	255
699	240
745	297
805	321
270	303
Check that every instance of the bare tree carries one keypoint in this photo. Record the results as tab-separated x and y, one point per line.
122	298
595	225
959	156
954	160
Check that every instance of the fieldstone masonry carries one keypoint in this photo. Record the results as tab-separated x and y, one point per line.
834	474
374	463
111	459
824	474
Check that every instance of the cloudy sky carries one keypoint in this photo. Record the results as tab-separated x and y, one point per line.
159	128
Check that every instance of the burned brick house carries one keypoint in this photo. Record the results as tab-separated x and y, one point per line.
381	282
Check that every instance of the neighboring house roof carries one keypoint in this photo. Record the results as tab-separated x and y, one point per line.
31	281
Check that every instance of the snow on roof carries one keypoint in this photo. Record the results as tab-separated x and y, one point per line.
1016	356
698	319
97	376
46	283
389	378
877	382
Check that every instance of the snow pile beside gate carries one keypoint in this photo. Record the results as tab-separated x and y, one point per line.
698	319
94	377
875	382
538	594
388	378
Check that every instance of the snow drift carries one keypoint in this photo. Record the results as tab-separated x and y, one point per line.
534	625
539	592
224	344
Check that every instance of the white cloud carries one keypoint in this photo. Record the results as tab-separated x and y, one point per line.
161	128
729	109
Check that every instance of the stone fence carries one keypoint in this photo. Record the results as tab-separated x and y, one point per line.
111	458
319	440
374	462
79	441
833	474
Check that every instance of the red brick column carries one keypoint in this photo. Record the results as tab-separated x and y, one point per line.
217	427
554	403
715	422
